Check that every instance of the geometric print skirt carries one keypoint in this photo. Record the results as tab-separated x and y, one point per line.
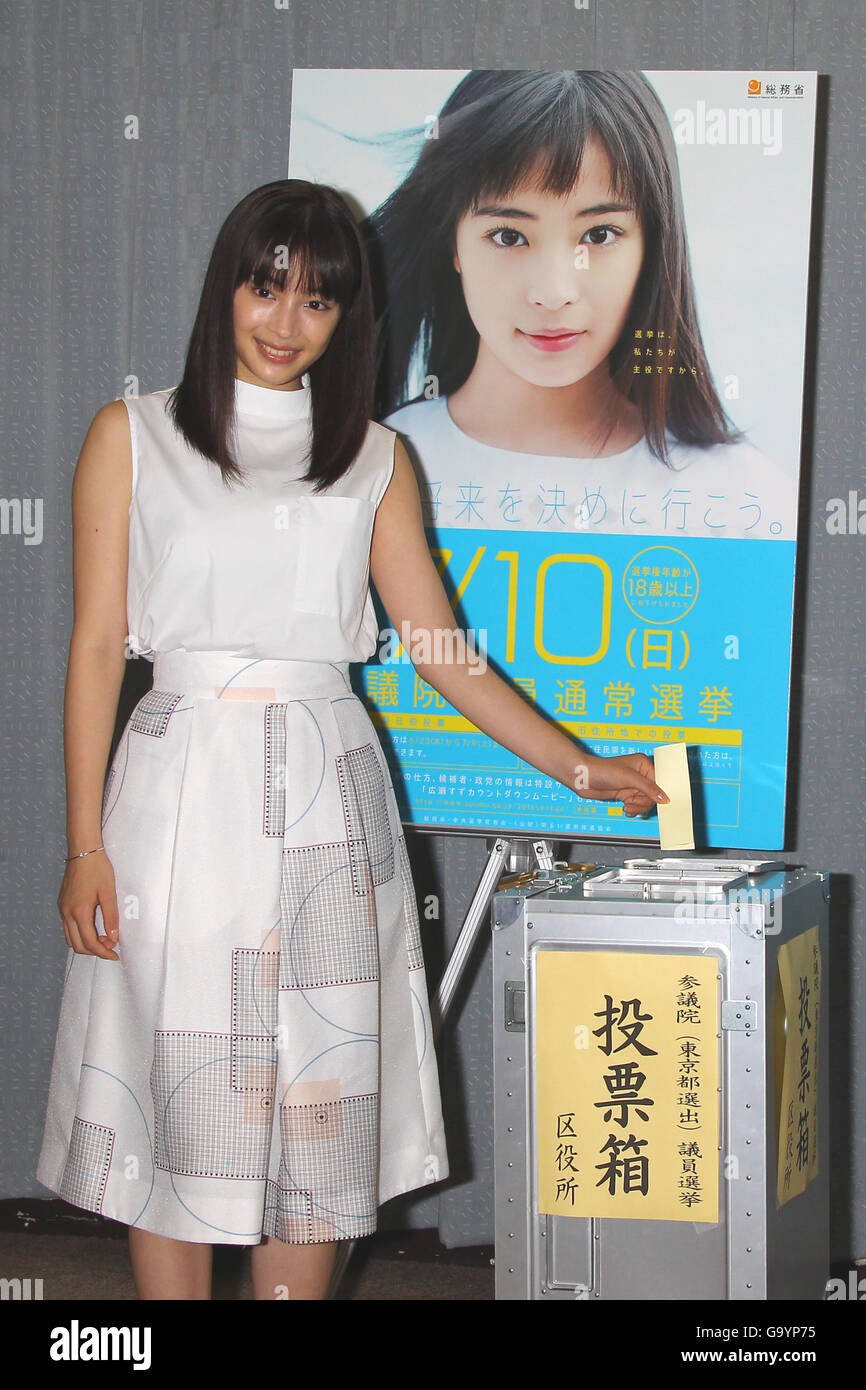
260	1059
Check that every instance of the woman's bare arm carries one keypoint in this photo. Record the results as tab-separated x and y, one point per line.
101	493
409	586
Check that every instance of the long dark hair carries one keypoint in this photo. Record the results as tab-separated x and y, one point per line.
325	253
496	130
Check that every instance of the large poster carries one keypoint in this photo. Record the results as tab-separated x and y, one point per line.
592	295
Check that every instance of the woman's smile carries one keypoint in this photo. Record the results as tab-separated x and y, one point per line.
552	341
274	354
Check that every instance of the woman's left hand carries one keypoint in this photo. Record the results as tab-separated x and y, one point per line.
628	778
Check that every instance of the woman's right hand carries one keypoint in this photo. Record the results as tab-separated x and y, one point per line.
88	883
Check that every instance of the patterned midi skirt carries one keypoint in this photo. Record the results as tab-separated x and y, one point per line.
260	1060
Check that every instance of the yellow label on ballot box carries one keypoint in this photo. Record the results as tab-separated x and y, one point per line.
627	1077
799	964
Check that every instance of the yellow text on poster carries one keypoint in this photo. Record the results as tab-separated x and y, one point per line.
627	1078
799	964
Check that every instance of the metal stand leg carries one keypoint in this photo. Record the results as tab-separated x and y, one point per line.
472	923
476	917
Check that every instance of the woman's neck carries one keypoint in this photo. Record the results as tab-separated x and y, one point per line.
587	419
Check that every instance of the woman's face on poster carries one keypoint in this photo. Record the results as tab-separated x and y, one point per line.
547	280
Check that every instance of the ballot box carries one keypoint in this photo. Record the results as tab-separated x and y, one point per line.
661	1081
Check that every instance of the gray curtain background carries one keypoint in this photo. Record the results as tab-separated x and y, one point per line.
104	243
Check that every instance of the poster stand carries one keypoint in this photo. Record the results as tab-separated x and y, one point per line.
499	851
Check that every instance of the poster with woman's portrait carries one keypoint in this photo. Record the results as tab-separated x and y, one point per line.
591	301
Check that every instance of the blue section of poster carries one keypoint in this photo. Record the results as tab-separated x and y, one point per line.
625	642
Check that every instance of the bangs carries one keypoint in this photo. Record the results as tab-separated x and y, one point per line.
536	133
315	257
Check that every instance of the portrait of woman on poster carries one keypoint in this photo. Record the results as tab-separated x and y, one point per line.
547	308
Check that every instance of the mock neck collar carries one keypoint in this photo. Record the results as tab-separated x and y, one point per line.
280	405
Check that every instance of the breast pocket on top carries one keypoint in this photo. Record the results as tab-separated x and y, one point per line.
334	535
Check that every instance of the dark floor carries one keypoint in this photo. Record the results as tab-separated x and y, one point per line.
405	1266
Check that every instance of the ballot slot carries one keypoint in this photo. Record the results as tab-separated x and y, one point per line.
662	879
698	865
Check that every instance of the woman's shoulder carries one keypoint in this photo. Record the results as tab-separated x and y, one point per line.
148	400
123	412
419	419
739	455
369	473
111	416
739	475
380	433
378	447
113	424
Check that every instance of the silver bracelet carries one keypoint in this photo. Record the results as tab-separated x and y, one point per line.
84	853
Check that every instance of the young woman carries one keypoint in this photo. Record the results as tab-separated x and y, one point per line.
243	1053
548	312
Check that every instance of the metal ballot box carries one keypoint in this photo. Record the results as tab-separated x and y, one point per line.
661	1081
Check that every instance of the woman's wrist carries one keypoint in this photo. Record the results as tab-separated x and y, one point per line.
81	841
581	766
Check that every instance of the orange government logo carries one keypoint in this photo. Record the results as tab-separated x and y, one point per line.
754	86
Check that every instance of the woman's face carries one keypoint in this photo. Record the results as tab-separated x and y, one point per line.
548	281
279	334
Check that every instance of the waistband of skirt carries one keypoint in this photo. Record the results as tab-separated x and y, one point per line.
222	676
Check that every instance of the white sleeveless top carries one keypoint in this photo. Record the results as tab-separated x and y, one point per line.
264	569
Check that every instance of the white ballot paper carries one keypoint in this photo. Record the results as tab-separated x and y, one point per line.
676	830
